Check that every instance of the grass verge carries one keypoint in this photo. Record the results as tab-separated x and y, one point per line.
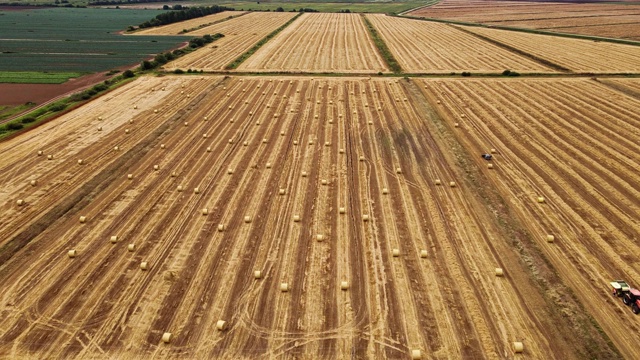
384	51
259	44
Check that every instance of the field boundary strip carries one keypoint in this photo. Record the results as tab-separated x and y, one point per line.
382	47
524	30
240	59
517	51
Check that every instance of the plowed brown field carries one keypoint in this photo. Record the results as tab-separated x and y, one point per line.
421	46
261	136
240	34
573	54
342	39
577	144
177	28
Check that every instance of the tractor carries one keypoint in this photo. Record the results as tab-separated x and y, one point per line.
619	288
487	156
632	298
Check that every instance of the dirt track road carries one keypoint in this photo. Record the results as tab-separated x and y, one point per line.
262	135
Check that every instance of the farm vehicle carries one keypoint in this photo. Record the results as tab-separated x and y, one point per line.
630	296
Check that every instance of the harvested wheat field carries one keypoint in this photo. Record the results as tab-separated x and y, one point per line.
244	218
574	55
342	39
240	34
575	143
430	47
190	25
596	19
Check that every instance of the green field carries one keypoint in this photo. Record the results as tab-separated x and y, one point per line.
76	40
32	77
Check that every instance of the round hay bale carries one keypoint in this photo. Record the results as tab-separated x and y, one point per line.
230	141
156	167
99	128
20	202
365	217
489	166
268	165
324	182
246	143
456	125
205	211
100	118
438	182
50	157
499	272
221	325
229	171
296	218
116	148
284	287
361	158
166	337
344	285
129	176
342	210
319	237
396	252
247	219
72	253
416	354
264	141
310	142
196	190
370	122
208	149
174	174
130	121
304	174
40	152
163	146
231	120
540	199
33	182
493	151
221	227
385	191
518	347
83	219
550	238
295	142
341	151
205	118
281	133
423	253
281	191
135	106
257	274
180	188
327	143
114	239
144	265
155	111
398	171
131	247
452	183
205	135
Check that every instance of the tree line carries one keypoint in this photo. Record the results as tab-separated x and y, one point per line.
181	15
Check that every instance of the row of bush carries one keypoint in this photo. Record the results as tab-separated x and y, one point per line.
171	17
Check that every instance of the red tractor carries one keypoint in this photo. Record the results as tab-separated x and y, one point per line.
632	298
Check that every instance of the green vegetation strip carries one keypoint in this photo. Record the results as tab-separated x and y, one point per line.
34	77
386	54
258	45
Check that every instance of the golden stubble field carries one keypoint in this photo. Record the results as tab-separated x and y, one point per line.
243	217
